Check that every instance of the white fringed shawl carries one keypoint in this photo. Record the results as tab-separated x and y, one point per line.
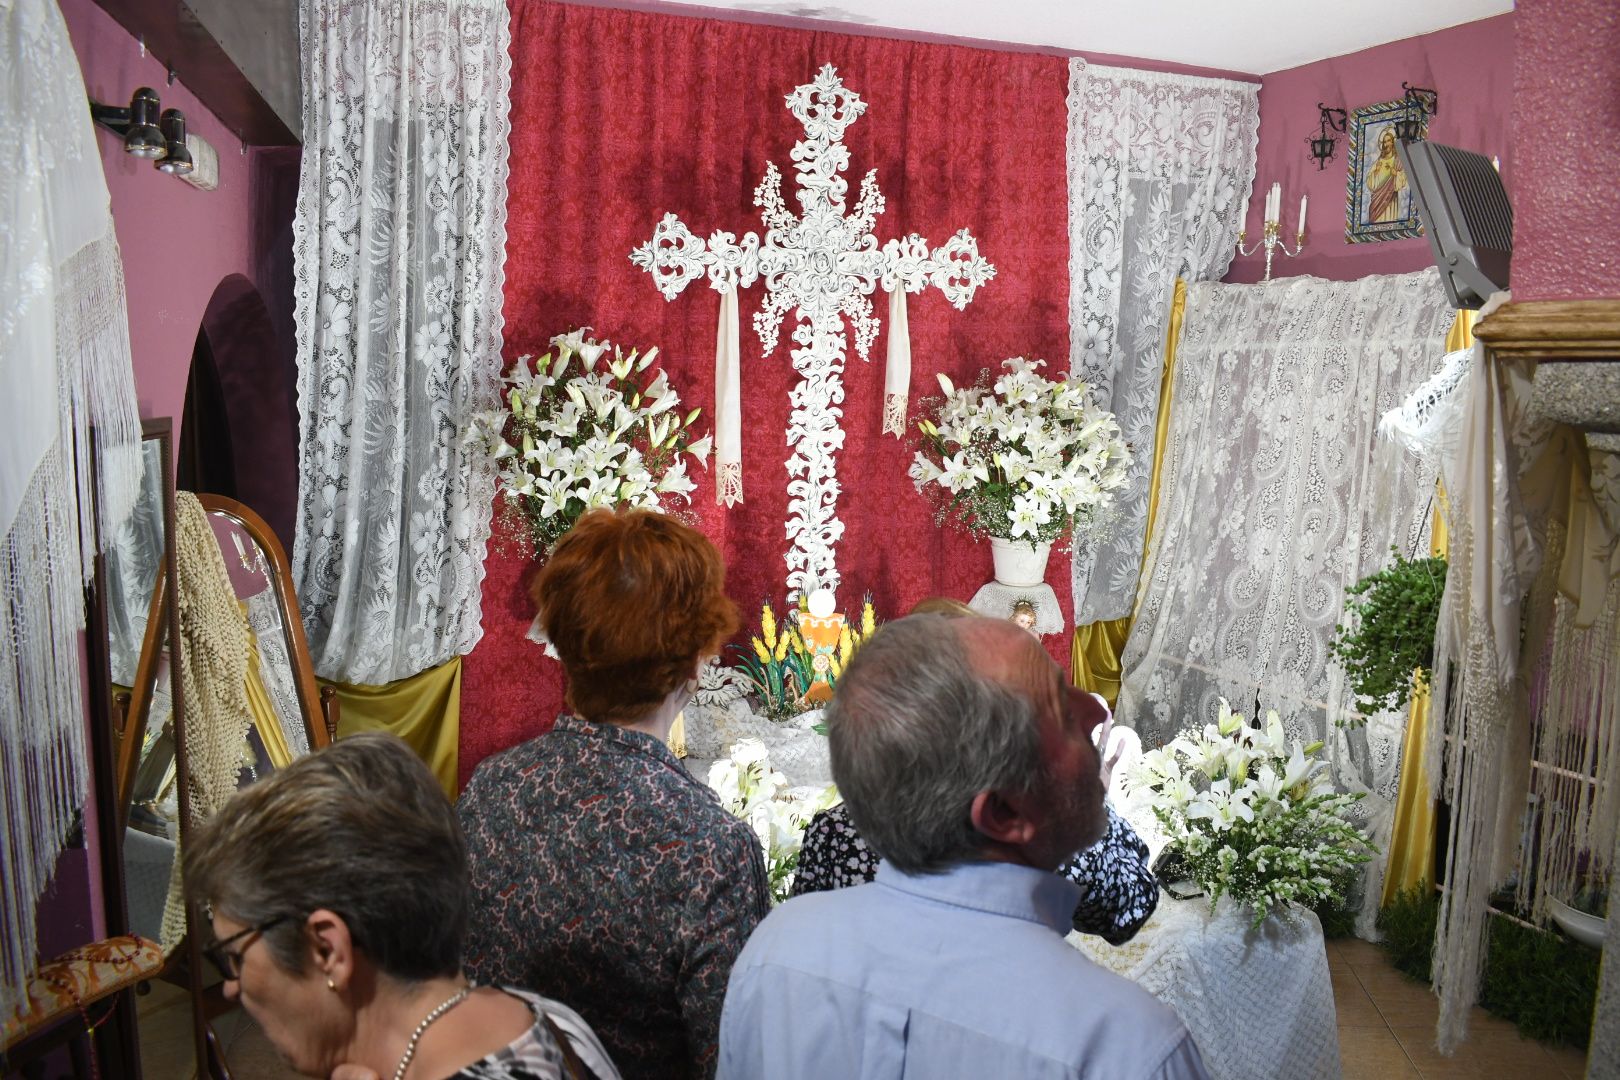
64	370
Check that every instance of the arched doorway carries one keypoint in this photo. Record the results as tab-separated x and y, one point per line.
239	431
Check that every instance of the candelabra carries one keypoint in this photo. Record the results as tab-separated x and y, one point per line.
1271	232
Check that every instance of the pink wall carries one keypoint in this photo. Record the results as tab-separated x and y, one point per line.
1566	139
177	242
1472	66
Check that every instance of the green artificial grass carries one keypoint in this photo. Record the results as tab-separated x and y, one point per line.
1542	982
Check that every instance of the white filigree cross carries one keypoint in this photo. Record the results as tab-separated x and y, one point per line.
824	264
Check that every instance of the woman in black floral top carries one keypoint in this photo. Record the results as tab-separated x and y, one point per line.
603	874
1120	891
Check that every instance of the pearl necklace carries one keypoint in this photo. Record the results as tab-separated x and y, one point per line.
416	1036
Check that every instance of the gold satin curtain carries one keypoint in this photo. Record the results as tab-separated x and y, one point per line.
424	710
1094	662
1411	837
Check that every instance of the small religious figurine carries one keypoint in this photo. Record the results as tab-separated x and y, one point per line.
1023	613
820	627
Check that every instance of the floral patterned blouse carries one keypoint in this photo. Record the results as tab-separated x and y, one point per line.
605	876
1119	891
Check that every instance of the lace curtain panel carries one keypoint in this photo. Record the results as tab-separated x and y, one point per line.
398	243
64	374
1270	507
1160	167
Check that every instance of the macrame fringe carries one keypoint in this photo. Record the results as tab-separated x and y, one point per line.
46	558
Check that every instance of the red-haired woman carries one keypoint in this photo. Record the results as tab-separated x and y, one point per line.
602	872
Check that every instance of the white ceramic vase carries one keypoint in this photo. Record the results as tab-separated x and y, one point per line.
1019	563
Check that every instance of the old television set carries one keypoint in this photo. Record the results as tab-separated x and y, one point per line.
1466	215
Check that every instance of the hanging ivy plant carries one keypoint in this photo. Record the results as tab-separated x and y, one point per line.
1386	641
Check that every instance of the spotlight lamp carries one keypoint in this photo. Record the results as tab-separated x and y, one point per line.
1421	103
139	126
1324	144
176	159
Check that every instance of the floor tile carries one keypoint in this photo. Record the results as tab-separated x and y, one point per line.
1570	1062
1363	954
1351	1003
1485	1053
1374	1054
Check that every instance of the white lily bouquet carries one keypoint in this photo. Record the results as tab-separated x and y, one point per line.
1022	458
1252	817
585	427
753	791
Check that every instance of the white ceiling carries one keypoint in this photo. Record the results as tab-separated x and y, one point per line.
1254	36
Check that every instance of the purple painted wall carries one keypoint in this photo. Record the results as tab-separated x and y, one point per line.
1472	66
179	244
1566	136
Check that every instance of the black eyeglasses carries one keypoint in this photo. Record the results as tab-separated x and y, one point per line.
229	961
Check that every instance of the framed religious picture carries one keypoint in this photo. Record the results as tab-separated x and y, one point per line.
1379	205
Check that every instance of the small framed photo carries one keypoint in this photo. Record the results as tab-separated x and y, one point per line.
1380	205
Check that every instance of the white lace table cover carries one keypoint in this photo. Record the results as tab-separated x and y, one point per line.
797	751
1259	1003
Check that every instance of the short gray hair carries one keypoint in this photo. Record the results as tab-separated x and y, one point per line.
360	828
915	733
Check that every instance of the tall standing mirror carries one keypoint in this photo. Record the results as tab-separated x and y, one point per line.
224	549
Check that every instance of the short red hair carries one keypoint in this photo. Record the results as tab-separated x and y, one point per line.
631	600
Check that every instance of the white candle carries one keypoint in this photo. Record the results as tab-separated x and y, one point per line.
1302	203
1248	205
1275	214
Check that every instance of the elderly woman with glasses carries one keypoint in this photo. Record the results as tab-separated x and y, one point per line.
338	892
601	870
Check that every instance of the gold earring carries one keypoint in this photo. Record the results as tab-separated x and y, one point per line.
332	986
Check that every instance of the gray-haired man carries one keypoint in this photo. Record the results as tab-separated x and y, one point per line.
966	760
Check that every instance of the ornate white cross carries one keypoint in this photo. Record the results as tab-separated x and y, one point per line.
825	265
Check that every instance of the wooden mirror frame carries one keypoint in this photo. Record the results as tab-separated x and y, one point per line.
318	703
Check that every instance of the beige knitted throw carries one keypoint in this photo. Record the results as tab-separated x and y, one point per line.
213	678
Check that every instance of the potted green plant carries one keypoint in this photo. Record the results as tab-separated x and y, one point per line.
1386	641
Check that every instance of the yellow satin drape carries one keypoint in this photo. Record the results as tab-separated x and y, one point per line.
424	710
265	719
1094	658
1411	838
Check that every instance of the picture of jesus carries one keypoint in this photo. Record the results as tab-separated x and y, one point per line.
1381	205
1386	183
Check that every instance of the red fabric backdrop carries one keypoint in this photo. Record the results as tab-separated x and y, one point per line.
618	117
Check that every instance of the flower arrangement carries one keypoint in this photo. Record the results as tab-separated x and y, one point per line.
780	664
1024	457
587	428
1391	648
1251	817
753	791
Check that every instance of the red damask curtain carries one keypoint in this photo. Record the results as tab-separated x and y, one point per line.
619	117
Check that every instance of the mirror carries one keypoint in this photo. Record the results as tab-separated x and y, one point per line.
286	715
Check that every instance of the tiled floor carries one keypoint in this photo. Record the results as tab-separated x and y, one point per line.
1386	1029
1386	1032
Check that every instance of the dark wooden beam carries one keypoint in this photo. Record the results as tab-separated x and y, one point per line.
175	35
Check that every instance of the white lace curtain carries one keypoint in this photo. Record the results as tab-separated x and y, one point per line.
399	243
1159	169
1269	508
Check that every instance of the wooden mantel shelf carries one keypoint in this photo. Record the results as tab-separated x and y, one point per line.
1575	345
1554	330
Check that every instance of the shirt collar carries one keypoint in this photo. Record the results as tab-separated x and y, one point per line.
621	738
997	888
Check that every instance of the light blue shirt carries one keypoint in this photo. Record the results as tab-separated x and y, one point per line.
929	977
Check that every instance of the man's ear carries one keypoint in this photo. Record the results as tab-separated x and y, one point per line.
1004	819
332	949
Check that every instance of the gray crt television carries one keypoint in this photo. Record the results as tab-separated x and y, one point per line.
1466	215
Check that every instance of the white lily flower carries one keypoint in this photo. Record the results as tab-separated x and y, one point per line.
945	384
701	449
